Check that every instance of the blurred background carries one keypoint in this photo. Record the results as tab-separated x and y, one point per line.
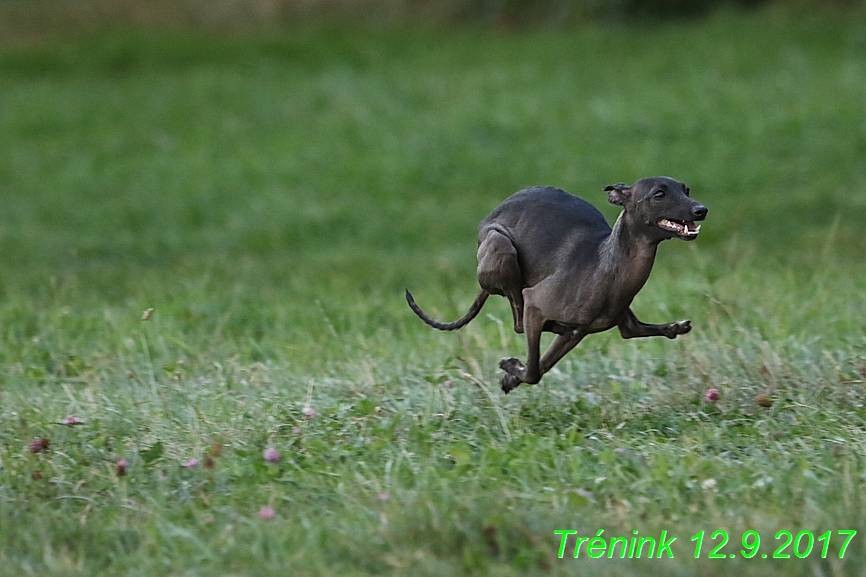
237	161
24	19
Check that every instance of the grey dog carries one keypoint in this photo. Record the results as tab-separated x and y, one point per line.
566	271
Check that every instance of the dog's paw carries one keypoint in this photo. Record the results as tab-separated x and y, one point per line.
678	328
509	382
511	379
512	366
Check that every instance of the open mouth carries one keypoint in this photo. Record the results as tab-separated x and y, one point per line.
684	228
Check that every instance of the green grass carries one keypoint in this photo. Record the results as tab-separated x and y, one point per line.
270	198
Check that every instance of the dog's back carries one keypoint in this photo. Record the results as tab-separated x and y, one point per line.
547	226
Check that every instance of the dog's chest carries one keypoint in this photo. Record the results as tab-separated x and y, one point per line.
593	306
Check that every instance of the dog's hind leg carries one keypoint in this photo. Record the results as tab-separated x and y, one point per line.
499	272
516	372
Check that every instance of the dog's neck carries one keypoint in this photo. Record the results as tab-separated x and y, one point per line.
628	254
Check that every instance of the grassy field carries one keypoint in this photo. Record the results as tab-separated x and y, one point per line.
270	197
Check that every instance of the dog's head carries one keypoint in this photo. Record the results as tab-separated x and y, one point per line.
661	206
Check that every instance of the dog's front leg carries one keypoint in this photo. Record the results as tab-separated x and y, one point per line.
559	348
630	327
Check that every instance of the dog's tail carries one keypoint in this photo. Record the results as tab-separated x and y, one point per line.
453	326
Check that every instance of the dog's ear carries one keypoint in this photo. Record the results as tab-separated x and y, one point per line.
617	193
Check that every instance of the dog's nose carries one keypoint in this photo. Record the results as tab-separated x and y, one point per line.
700	212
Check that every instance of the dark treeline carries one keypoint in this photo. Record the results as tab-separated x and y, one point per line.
24	20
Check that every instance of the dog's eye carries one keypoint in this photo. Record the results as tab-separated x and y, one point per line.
659	194
687	191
